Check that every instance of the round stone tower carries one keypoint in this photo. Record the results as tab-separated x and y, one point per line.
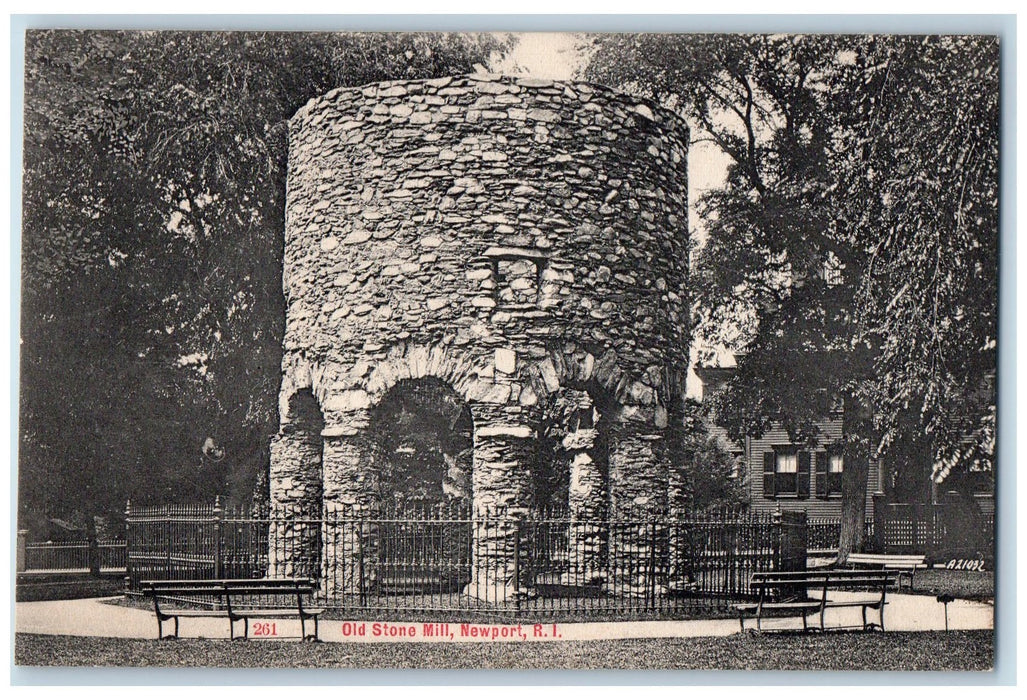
522	241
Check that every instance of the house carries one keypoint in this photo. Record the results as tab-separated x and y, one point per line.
782	475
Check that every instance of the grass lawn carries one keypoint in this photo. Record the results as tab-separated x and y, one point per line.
67	587
972	585
934	651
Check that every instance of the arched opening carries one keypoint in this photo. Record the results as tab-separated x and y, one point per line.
421	446
572	439
571	485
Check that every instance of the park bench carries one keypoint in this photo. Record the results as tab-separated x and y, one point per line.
806	593
904	564
233	599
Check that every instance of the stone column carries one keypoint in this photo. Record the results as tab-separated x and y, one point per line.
681	567
638	509
295	487
586	501
504	444
350	502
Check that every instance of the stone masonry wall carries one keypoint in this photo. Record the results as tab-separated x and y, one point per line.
514	237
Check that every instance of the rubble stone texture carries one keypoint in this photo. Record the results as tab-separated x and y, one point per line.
516	238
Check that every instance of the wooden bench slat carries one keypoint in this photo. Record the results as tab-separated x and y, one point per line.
903	564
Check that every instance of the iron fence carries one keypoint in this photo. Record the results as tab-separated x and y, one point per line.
451	559
103	556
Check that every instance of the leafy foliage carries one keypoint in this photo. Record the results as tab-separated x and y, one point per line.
154	180
708	474
853	244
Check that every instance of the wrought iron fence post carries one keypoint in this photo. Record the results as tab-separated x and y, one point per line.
128	545
652	562
218	564
360	560
93	553
20	556
517	562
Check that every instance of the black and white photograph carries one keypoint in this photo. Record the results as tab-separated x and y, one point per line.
508	350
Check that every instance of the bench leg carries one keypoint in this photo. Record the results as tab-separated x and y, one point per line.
309	637
864	618
160	627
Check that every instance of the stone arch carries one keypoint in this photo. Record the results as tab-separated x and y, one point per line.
468	374
633	477
638	397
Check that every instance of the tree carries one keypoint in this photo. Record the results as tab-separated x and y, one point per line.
703	469
853	162
151	249
919	160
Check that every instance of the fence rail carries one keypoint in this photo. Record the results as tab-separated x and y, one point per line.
940	528
103	556
420	560
905	528
825	533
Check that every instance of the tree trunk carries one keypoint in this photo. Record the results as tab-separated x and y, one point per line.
854	503
855	476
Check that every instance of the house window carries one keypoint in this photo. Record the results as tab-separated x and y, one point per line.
829	468
786	472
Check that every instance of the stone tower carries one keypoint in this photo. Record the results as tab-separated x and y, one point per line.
525	242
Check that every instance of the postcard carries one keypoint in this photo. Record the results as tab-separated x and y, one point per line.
508	350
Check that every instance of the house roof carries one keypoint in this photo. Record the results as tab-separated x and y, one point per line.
712	375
